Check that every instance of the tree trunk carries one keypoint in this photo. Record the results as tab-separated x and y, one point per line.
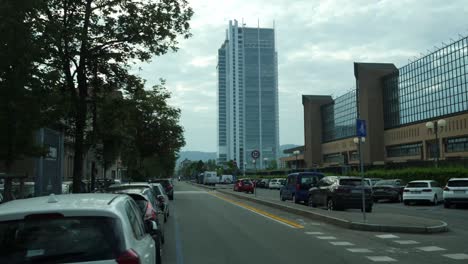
80	123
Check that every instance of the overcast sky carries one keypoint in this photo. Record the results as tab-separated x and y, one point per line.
317	43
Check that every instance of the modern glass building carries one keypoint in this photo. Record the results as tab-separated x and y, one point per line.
397	104
248	96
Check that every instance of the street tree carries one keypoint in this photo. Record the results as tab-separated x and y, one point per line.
89	38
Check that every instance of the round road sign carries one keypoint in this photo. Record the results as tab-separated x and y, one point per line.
255	154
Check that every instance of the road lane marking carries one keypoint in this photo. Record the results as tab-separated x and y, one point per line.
381	258
326	237
457	256
387	236
406	242
313	233
260	212
431	248
359	250
342	243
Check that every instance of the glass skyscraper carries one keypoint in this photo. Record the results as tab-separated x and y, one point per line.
248	96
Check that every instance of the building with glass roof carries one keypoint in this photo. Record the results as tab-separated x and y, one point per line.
398	104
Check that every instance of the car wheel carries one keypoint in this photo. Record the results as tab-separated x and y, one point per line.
447	205
294	199
331	205
171	197
375	200
369	209
435	201
405	202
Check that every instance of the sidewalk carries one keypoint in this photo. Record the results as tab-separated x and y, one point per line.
377	222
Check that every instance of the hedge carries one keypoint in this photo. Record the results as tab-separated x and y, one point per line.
441	175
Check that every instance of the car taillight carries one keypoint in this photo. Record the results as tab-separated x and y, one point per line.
298	187
128	257
405	190
150	213
427	190
446	188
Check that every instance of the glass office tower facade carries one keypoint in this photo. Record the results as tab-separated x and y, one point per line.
248	90
435	85
339	117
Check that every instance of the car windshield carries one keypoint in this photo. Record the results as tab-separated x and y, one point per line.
417	185
352	182
156	190
380	183
59	240
247	182
458	183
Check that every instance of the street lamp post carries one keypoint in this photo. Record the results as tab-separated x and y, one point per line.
296	153
255	186
358	141
434	126
245	165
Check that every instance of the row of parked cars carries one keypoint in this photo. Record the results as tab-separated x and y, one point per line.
343	192
123	223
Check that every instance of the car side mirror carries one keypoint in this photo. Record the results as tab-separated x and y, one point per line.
151	227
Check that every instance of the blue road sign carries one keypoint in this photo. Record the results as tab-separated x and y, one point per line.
361	130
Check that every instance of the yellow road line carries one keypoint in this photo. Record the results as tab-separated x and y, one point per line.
258	211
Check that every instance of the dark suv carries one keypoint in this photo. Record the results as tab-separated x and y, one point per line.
339	193
168	188
389	189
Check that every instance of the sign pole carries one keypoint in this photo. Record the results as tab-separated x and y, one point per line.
361	133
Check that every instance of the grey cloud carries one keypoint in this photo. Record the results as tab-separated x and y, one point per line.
317	43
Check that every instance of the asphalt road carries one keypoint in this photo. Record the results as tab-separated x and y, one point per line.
207	227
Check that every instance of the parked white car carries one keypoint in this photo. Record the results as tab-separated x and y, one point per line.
276	183
75	228
422	191
456	192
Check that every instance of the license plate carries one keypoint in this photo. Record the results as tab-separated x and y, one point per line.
459	191
416	192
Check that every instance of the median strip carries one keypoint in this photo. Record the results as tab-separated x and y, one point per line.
260	212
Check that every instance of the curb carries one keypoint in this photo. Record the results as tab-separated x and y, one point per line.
443	227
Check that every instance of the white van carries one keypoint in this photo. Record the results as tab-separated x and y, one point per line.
226	179
211	178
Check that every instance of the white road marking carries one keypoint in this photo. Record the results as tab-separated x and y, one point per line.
342	243
458	256
431	248
386	236
381	258
326	237
406	242
313	233
359	250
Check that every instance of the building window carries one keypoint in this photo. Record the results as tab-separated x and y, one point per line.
404	150
339	117
457	145
333	158
433	86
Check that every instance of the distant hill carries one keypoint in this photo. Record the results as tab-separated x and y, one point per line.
196	156
286	146
204	156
